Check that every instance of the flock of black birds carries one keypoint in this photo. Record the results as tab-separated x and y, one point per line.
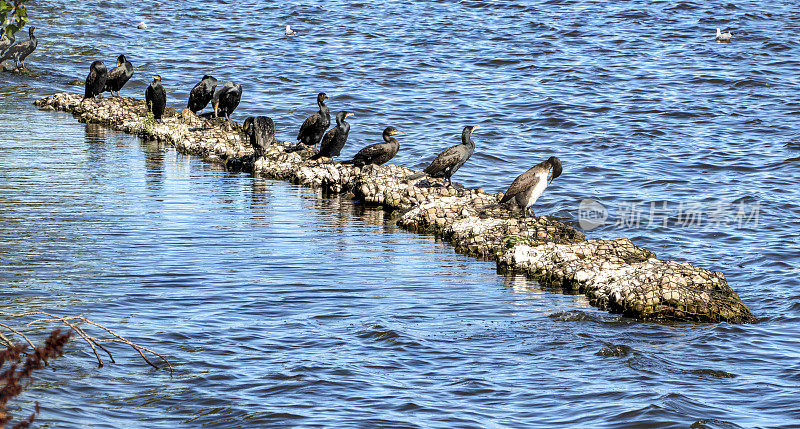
525	189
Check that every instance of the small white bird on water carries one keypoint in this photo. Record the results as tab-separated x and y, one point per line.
289	31
723	37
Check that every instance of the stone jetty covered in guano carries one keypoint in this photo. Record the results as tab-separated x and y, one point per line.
615	275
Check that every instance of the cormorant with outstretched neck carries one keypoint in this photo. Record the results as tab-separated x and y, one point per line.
314	126
335	138
261	131
378	153
226	99
21	50
96	80
156	98
528	186
5	42
201	94
119	75
451	159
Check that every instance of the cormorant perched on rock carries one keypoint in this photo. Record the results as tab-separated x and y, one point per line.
261	130
335	138
378	153
451	159
96	80
119	75
528	186
314	126
21	50
5	42
156	98
226	99
201	94
724	37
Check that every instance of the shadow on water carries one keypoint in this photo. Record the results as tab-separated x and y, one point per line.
154	164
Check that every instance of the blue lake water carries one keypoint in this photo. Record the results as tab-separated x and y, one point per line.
281	307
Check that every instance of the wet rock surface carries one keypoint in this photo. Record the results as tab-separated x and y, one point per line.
615	275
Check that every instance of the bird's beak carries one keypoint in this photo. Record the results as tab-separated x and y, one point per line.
398	132
119	63
348	115
476	127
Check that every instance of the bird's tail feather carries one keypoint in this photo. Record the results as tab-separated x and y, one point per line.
348	162
416	176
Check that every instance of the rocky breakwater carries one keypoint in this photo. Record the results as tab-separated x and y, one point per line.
216	140
615	275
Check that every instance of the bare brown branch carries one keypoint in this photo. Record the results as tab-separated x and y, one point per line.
73	323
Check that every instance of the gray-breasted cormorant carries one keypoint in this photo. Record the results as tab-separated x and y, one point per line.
21	50
96	80
226	99
335	138
314	126
201	94
528	186
119	75
378	153
261	131
156	98
451	159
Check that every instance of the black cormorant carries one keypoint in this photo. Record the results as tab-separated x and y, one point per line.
226	99
156	98
451	159
21	50
96	80
315	125
201	94
335	138
528	186
261	131
378	153
119	75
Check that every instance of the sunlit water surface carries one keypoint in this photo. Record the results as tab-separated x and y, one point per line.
280	307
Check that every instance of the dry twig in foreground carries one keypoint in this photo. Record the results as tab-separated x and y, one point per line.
74	322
